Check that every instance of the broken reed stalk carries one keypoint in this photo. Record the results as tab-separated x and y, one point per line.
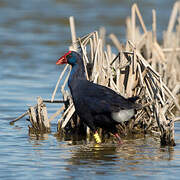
35	107
18	118
73	32
39	118
139	69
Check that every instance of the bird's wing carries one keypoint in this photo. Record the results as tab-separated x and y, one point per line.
101	99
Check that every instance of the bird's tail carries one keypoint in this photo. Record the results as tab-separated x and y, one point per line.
133	100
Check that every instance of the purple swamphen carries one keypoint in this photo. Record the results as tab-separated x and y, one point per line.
96	105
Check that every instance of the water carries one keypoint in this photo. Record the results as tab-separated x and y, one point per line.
33	34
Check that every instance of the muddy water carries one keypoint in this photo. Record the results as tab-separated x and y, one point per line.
32	35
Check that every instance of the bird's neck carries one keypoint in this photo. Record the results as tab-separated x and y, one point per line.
77	73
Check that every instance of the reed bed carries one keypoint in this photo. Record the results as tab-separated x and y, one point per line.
141	67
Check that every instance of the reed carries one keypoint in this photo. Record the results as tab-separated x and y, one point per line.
142	67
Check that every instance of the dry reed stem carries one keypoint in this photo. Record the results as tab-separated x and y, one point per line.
134	10
159	51
32	118
116	42
154	25
56	113
129	82
58	82
133	22
19	117
66	80
102	32
142	41
68	109
91	49
95	59
85	58
73	32
175	10
68	117
46	122
39	102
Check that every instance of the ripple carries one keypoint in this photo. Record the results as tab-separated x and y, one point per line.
33	35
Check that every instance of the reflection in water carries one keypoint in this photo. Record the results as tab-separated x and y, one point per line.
33	34
104	159
38	137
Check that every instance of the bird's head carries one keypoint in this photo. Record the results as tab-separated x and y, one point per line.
70	57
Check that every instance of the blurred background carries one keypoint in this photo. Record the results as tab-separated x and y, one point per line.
33	34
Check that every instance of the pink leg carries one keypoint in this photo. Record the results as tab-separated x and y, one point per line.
118	138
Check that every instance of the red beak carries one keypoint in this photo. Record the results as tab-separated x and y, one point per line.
61	60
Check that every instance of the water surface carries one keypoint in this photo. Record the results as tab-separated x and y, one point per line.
33	35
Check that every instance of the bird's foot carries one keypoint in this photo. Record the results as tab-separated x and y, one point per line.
97	138
118	139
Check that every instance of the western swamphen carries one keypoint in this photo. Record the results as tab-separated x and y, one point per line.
96	105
